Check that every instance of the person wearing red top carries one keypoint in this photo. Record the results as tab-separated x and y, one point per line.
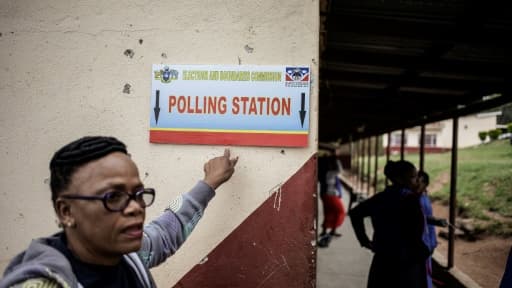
331	195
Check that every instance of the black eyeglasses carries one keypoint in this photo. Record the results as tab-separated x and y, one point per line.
118	200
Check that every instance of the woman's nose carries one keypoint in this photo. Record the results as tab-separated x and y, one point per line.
133	208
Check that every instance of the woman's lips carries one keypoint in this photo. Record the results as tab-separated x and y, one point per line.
134	231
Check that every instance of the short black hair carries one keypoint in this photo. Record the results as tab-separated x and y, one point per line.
70	157
394	170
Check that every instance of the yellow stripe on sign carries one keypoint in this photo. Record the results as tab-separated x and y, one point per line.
231	131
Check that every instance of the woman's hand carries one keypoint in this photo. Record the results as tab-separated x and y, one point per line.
219	169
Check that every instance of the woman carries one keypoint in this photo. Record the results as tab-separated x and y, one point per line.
429	235
100	202
398	223
330	193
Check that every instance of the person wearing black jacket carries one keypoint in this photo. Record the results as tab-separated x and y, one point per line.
398	223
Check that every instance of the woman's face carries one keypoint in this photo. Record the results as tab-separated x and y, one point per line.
99	231
422	185
410	180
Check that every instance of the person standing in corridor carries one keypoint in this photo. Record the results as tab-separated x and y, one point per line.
429	235
331	195
398	222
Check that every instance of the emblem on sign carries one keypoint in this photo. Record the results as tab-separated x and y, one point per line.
166	75
297	77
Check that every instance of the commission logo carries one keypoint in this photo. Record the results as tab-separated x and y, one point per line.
297	77
166	75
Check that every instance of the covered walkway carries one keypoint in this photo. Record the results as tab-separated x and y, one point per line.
346	264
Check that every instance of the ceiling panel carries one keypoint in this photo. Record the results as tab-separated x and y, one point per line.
392	64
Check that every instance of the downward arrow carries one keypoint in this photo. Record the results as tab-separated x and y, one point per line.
157	106
302	112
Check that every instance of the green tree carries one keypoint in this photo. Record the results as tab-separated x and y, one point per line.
509	127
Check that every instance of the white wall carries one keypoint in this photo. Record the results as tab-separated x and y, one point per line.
62	73
469	126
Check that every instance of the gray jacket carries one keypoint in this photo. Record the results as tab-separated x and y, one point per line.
43	264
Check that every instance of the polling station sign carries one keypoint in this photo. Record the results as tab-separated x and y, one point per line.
230	105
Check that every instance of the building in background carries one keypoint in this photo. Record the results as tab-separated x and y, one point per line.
438	135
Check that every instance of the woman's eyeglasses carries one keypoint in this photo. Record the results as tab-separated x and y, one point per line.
118	200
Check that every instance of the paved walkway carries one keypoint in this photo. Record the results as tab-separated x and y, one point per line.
344	263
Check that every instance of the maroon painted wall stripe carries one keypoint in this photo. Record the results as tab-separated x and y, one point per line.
270	248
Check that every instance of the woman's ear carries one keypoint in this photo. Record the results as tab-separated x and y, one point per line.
63	211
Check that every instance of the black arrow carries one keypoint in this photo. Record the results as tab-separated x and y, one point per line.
302	111
157	106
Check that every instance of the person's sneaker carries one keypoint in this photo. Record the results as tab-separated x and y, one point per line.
335	234
324	241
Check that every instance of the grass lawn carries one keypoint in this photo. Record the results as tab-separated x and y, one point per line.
484	183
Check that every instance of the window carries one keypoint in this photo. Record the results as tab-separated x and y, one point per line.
396	139
430	140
